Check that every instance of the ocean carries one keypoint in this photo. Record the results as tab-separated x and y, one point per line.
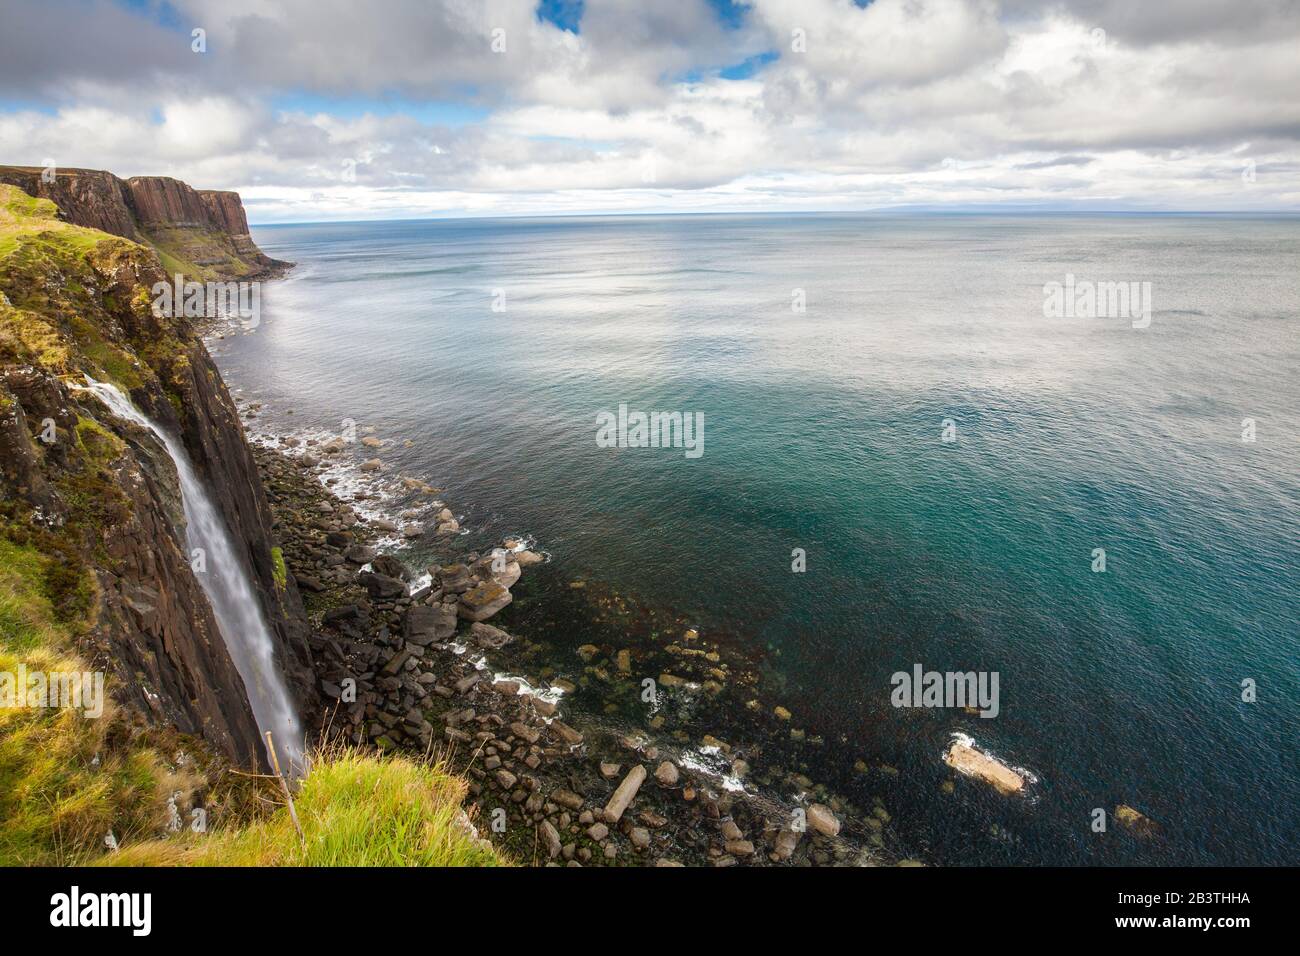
886	396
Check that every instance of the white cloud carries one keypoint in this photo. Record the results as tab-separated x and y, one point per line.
901	102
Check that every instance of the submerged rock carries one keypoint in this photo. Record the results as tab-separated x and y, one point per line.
489	637
1136	821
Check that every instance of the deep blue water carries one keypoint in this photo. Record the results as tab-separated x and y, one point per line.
822	432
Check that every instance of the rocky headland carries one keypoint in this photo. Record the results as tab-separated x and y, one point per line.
200	232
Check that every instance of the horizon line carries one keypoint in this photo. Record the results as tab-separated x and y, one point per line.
902	210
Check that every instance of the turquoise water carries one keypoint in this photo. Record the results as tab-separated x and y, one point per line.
823	432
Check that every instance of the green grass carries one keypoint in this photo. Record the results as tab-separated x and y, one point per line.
355	809
63	786
278	569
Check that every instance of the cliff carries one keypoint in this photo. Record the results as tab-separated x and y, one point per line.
96	575
91	512
201	233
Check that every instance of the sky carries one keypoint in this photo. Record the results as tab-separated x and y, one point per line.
338	110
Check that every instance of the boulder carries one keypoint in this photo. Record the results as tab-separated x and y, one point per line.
503	569
489	637
666	773
550	837
381	585
822	820
426	625
624	794
389	565
359	554
396	661
453	578
964	758
785	844
483	600
344	612
566	733
567	799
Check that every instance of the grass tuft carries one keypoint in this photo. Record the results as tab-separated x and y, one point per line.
356	809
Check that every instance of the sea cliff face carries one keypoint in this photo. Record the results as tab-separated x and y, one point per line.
94	500
204	230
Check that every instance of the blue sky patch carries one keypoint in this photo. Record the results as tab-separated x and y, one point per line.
749	66
429	112
565	14
731	14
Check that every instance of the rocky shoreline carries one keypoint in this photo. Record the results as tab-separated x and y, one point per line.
411	664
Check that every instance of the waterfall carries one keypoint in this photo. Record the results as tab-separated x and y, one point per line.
230	593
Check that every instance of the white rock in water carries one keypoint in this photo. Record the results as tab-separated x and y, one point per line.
964	758
623	796
822	820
